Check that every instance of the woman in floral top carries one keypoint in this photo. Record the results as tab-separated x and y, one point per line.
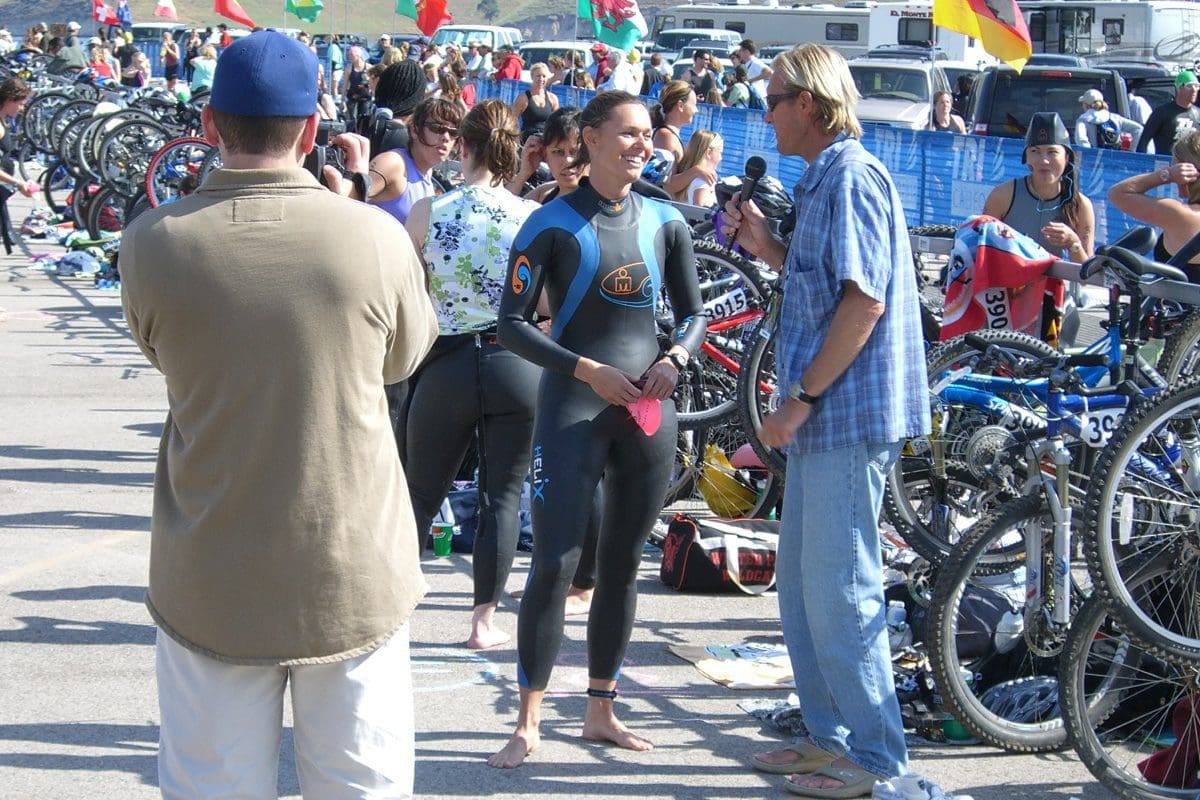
469	382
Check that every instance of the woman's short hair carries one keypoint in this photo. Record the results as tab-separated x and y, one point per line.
489	133
442	110
561	123
14	89
208	51
539	69
822	72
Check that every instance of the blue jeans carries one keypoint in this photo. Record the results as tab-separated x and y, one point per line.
830	578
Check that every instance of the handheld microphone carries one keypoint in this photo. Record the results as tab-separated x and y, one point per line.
756	170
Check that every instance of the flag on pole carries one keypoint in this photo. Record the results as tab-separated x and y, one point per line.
103	13
997	24
617	23
231	9
307	10
166	8
429	14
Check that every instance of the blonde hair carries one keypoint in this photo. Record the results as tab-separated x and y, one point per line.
1187	150
208	51
823	73
391	55
698	146
539	68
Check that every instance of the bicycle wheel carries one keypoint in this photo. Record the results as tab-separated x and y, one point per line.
930	277
54	181
1181	353
996	667
38	113
175	161
1119	701
1145	515
125	153
929	506
733	294
63	117
757	393
105	214
706	481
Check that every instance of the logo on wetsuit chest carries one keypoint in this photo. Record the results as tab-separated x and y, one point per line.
629	285
520	275
536	481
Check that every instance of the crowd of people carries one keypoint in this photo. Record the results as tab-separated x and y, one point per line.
515	311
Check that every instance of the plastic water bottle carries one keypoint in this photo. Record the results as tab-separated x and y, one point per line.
899	633
1009	631
954	730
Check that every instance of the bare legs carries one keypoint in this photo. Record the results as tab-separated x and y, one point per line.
484	633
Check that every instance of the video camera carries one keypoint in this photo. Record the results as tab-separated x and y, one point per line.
323	153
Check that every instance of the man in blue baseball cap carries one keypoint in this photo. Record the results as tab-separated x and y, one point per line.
1173	119
282	543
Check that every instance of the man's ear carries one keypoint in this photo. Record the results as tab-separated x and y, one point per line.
209	126
308	138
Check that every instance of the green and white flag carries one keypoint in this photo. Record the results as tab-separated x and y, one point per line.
307	10
617	23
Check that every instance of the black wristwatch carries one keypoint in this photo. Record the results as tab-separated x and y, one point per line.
680	360
796	392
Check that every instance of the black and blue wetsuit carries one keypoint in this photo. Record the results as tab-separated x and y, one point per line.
603	265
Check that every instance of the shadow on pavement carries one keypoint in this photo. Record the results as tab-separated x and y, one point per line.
134	594
34	452
77	520
78	477
140	738
53	630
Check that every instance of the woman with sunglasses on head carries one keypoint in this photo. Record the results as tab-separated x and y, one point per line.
600	255
404	175
468	382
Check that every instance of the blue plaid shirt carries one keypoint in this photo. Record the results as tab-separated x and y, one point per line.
850	227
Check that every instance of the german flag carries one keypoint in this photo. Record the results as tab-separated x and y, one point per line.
997	24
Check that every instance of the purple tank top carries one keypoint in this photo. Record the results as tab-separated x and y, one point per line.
418	187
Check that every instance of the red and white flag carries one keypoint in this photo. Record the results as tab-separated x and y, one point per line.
166	8
103	13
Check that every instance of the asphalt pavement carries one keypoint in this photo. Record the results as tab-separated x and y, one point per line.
82	413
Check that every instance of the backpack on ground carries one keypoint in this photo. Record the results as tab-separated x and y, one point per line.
1108	134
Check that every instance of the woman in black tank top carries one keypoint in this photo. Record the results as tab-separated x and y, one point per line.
1178	214
535	105
941	118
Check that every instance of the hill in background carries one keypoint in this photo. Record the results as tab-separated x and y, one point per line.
544	19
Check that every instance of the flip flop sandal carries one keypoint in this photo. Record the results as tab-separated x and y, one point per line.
856	782
809	757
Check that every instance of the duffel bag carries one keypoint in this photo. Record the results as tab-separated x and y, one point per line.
717	555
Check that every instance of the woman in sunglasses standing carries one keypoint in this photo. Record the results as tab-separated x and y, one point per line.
600	254
401	177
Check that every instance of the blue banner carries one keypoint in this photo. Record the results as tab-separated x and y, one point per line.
943	178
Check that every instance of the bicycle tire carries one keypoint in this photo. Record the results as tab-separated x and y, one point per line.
924	459
932	296
125	153
1104	673
704	482
63	117
757	393
723	275
978	560
1154	507
98	227
1180	357
55	178
37	115
160	187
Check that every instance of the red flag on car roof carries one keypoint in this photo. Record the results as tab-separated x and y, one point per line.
997	24
230	9
103	13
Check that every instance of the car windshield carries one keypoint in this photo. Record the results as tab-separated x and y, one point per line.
891	83
674	40
539	55
461	36
1015	99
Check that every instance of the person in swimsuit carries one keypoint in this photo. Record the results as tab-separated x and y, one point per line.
1178	217
407	172
355	88
535	105
942	116
464	237
600	255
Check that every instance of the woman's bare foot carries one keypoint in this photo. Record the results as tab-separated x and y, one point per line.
484	633
601	725
523	742
579	601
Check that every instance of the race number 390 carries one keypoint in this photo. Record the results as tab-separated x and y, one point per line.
995	303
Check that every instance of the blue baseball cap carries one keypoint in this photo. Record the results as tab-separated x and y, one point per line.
265	74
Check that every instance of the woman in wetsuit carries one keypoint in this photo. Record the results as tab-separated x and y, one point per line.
13	94
1178	217
468	382
600	254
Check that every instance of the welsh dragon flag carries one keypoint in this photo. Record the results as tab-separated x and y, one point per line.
307	10
429	14
617	23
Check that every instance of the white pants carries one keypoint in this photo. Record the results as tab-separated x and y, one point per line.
222	725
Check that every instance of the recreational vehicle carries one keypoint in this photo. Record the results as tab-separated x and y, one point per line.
844	28
1162	30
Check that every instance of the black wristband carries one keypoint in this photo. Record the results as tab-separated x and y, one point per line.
362	184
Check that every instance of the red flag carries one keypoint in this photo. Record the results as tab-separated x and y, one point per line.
429	14
166	8
997	24
103	13
230	9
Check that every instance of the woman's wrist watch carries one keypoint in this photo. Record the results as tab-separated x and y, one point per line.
680	360
1164	174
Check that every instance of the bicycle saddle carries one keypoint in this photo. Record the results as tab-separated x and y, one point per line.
1131	264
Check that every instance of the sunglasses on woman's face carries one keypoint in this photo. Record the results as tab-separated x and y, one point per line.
442	130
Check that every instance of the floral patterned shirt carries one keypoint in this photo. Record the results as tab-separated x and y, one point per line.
471	230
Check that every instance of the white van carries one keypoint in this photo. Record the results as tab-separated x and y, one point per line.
670	42
491	35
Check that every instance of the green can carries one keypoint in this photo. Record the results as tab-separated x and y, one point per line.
443	533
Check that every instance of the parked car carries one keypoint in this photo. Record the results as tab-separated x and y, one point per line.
672	41
491	35
540	52
895	92
1134	69
1056	60
1002	101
